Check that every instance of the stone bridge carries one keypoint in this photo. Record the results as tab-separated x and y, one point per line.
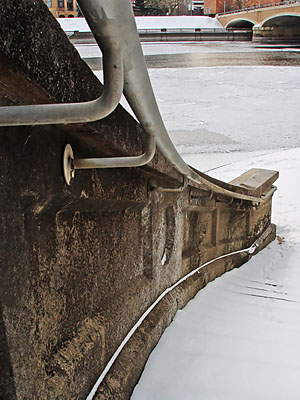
272	23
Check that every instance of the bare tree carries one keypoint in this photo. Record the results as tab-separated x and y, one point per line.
240	4
167	7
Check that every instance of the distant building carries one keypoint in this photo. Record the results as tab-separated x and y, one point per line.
197	7
213	7
62	8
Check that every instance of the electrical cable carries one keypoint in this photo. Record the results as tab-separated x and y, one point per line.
250	250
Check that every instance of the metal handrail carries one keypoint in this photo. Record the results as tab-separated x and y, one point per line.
71	113
179	30
139	94
113	25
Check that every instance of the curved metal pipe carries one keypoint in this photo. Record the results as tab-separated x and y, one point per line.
139	94
113	25
118	162
71	113
161	189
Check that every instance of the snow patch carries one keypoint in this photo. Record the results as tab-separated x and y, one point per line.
159	22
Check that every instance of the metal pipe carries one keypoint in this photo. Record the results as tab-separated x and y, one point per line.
139	94
70	164
161	189
113	25
270	193
118	162
70	113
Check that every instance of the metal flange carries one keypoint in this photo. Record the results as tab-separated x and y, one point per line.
69	171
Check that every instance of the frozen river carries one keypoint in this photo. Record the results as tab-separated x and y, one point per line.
226	109
247	106
238	339
229	107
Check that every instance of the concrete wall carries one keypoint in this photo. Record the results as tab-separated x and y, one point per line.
81	263
178	36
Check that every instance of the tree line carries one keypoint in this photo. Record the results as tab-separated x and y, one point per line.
158	7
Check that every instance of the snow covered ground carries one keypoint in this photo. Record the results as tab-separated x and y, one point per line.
239	338
230	108
223	114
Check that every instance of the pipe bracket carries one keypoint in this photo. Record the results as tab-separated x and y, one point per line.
70	164
69	171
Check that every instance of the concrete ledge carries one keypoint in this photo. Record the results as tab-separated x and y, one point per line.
259	181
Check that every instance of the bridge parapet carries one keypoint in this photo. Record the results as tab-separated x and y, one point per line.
278	22
81	263
259	7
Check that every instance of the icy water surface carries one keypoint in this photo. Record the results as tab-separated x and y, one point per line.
205	59
204	54
242	99
238	339
224	104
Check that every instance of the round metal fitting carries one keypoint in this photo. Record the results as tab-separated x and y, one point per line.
68	169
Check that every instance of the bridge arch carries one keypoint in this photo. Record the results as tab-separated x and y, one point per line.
273	23
283	19
282	27
241	23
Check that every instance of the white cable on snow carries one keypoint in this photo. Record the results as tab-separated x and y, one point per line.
249	250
